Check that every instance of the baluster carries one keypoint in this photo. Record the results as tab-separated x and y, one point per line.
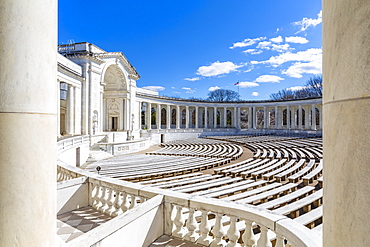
94	194
133	201
279	241
192	225
248	237
179	223
264	240
101	199
115	207
233	233
204	229
125	204
218	232
109	203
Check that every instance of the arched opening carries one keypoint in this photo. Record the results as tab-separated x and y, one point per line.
192	119
228	118
271	118
260	118
218	119
173	117
244	118
153	116
183	118
163	118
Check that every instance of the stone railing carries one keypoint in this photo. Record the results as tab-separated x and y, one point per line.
71	142
205	221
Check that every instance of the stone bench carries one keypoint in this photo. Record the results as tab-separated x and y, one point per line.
314	174
254	191
297	176
304	203
275	193
293	196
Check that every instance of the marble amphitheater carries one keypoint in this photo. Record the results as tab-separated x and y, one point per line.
90	159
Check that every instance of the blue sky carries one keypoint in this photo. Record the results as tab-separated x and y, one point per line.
187	48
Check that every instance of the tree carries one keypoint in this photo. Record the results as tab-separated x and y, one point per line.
311	89
221	95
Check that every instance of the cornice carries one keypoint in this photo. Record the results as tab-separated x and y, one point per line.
132	71
90	57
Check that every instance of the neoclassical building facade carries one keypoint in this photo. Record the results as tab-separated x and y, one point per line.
99	94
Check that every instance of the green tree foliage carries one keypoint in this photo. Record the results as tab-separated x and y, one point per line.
222	95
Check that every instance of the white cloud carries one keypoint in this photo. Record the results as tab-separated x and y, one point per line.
255	94
176	92
297	69
218	68
155	88
269	78
312	54
278	39
247	42
189	90
264	45
192	79
246	84
213	88
253	51
305	23
296	88
281	48
296	39
172	87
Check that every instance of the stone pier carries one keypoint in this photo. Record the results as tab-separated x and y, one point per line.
28	122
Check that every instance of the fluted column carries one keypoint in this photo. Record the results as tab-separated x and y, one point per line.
255	117
306	118
28	121
158	116
277	119
313	117
169	117
148	116
215	117
346	101
178	118
265	117
187	117
300	117
70	110
205	117
196	117
288	117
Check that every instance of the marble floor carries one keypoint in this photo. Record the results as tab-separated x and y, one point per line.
75	223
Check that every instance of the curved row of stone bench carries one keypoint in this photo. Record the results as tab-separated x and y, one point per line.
219	150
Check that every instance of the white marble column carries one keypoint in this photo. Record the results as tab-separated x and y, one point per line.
346	70
255	117
313	117
187	117
306	117
234	123
28	122
178	117
277	119
122	124
148	116
70	110
158	116
58	109
196	117
215	117
169	117
320	118
205	117
288	117
224	123
265	114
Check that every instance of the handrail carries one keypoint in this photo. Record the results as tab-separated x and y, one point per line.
177	203
65	144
